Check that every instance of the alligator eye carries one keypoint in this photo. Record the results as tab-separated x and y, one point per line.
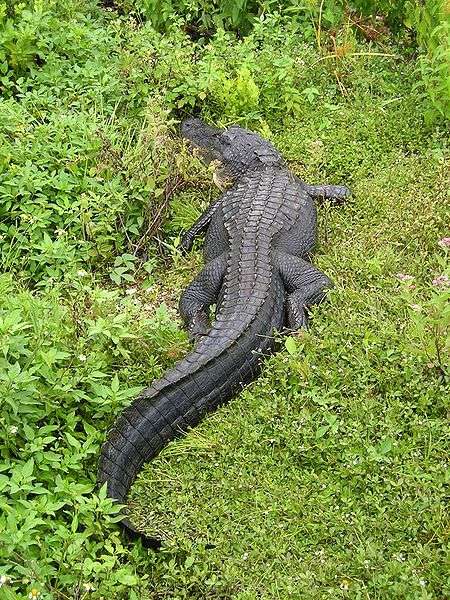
226	138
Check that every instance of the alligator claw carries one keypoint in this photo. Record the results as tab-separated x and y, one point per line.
197	331
186	244
296	316
301	323
342	193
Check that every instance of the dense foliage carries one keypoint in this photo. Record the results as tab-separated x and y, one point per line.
94	189
429	20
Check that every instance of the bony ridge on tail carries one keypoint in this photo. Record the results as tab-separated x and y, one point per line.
259	236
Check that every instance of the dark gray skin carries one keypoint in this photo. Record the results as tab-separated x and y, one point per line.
259	235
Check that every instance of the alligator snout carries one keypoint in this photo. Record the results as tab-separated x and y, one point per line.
199	133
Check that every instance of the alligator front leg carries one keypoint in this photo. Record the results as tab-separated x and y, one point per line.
305	285
200	295
328	192
199	226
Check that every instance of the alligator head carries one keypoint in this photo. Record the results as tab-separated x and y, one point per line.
236	150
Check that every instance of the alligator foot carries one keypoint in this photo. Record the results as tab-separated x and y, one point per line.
338	193
202	223
186	242
305	285
297	317
200	295
198	326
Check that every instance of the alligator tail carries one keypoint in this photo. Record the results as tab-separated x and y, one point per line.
180	400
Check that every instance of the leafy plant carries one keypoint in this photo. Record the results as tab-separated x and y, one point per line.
60	383
429	310
123	268
431	21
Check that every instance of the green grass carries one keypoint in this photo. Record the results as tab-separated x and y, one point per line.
326	477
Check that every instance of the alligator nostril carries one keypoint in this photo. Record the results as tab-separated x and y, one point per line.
191	125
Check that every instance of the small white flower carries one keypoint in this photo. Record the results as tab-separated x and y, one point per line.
130	291
82	357
88	587
245	556
81	273
4	579
422	582
12	430
34	594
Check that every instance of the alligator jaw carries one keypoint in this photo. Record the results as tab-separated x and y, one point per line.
204	138
239	150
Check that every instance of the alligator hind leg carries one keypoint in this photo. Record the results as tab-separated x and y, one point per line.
305	285
200	295
328	192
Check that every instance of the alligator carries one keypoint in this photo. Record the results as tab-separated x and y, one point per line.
259	237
